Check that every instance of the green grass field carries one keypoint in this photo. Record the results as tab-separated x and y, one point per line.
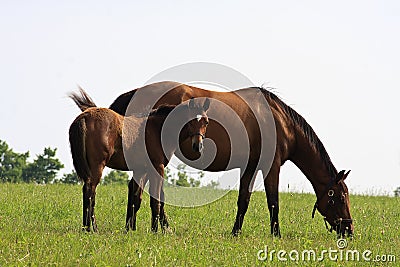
40	225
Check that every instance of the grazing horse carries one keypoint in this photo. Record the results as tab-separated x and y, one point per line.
100	137
294	138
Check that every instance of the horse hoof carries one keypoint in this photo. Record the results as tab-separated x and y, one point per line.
236	233
86	229
277	233
154	229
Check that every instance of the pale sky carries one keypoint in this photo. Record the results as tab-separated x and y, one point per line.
336	63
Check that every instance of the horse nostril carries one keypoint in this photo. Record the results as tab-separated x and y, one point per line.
195	147
200	147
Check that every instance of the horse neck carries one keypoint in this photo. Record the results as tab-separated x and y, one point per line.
155	123
155	126
319	171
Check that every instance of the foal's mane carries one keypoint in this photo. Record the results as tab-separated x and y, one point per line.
306	128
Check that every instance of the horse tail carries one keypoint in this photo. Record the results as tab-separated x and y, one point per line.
77	140
82	99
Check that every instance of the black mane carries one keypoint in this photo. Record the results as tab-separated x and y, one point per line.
307	130
162	110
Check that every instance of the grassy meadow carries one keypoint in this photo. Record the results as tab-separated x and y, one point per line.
40	225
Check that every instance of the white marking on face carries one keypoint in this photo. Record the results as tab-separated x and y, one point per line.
198	117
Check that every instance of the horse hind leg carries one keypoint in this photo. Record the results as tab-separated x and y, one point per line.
89	201
93	203
87	213
245	190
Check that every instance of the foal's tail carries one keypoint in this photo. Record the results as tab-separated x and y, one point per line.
77	140
82	99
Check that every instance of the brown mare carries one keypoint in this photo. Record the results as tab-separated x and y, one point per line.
294	138
97	140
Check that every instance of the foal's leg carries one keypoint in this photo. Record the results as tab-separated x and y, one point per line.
86	192
130	221
89	201
246	186
156	183
135	194
271	189
89	196
163	216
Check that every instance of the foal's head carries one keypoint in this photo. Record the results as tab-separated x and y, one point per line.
198	122
335	206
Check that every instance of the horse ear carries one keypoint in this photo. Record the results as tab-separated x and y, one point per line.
206	104
346	174
191	103
342	176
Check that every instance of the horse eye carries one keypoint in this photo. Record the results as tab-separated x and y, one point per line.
331	193
207	122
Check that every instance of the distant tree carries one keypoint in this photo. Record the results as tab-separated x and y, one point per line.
12	164
44	168
193	182
184	179
167	174
397	192
115	177
70	178
212	184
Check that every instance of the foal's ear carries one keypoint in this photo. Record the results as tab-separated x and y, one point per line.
206	104
191	103
341	176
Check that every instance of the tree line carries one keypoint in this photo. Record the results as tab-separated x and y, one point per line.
16	168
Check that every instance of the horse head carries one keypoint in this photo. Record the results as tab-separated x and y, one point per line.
197	125
334	205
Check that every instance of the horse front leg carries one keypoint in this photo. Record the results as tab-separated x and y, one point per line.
163	216
135	195
155	213
156	184
245	190
130	220
271	189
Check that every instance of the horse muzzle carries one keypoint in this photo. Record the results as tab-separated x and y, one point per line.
343	227
198	145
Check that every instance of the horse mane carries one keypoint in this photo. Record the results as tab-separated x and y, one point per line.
82	99
162	110
306	128
121	103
